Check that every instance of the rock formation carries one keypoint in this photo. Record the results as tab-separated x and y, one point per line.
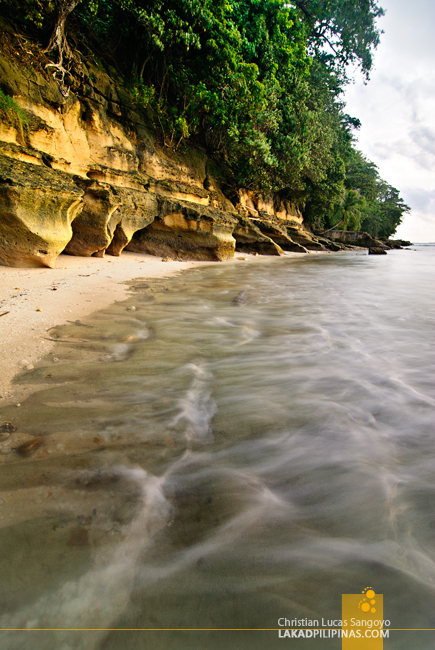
37	208
356	238
88	176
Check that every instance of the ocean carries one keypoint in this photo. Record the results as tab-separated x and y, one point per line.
224	455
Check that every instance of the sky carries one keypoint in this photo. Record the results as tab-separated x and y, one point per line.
397	111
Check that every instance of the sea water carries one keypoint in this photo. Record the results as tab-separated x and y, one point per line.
240	444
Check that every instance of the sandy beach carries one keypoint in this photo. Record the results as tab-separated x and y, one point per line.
33	300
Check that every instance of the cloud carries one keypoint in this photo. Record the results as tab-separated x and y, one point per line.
424	138
421	201
397	109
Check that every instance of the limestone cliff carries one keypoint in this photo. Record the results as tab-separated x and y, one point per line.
88	176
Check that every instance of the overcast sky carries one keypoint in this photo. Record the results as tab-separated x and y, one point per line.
397	111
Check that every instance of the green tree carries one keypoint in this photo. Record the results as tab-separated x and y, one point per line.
257	83
383	207
382	216
347	214
342	32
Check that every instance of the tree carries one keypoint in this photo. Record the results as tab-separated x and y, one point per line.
257	83
348	211
383	208
342	32
382	216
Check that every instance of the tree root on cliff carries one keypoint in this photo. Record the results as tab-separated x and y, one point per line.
58	41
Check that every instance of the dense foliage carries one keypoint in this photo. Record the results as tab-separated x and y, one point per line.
256	82
381	205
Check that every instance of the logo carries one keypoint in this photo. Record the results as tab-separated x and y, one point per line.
368	604
363	621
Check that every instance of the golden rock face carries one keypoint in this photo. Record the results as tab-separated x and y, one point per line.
88	176
37	207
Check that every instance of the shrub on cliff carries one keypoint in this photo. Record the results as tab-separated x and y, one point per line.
11	113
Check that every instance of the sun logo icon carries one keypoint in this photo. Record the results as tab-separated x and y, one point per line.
367	603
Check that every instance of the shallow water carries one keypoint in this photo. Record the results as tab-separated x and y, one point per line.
248	443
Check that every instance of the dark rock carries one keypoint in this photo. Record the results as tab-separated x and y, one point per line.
7	427
377	250
395	243
241	297
250	239
280	237
28	448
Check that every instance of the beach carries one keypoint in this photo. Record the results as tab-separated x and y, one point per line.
224	449
34	300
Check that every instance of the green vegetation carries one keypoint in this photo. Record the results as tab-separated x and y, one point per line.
348	213
255	82
11	113
381	206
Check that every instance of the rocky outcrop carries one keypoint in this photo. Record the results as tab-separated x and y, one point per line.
37	208
376	250
88	176
395	244
279	235
137	210
93	230
187	231
354	238
331	245
305	238
250	239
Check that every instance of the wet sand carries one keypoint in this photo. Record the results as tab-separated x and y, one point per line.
37	299
34	300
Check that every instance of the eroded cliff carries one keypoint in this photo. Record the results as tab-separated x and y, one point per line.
87	175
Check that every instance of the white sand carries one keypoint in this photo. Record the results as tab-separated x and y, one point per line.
82	285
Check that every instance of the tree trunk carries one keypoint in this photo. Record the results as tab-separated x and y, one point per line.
333	227
58	39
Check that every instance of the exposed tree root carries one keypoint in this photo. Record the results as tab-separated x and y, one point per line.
58	42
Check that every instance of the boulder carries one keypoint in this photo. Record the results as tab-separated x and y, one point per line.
377	250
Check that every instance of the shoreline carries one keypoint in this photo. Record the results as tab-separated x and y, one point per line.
34	300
